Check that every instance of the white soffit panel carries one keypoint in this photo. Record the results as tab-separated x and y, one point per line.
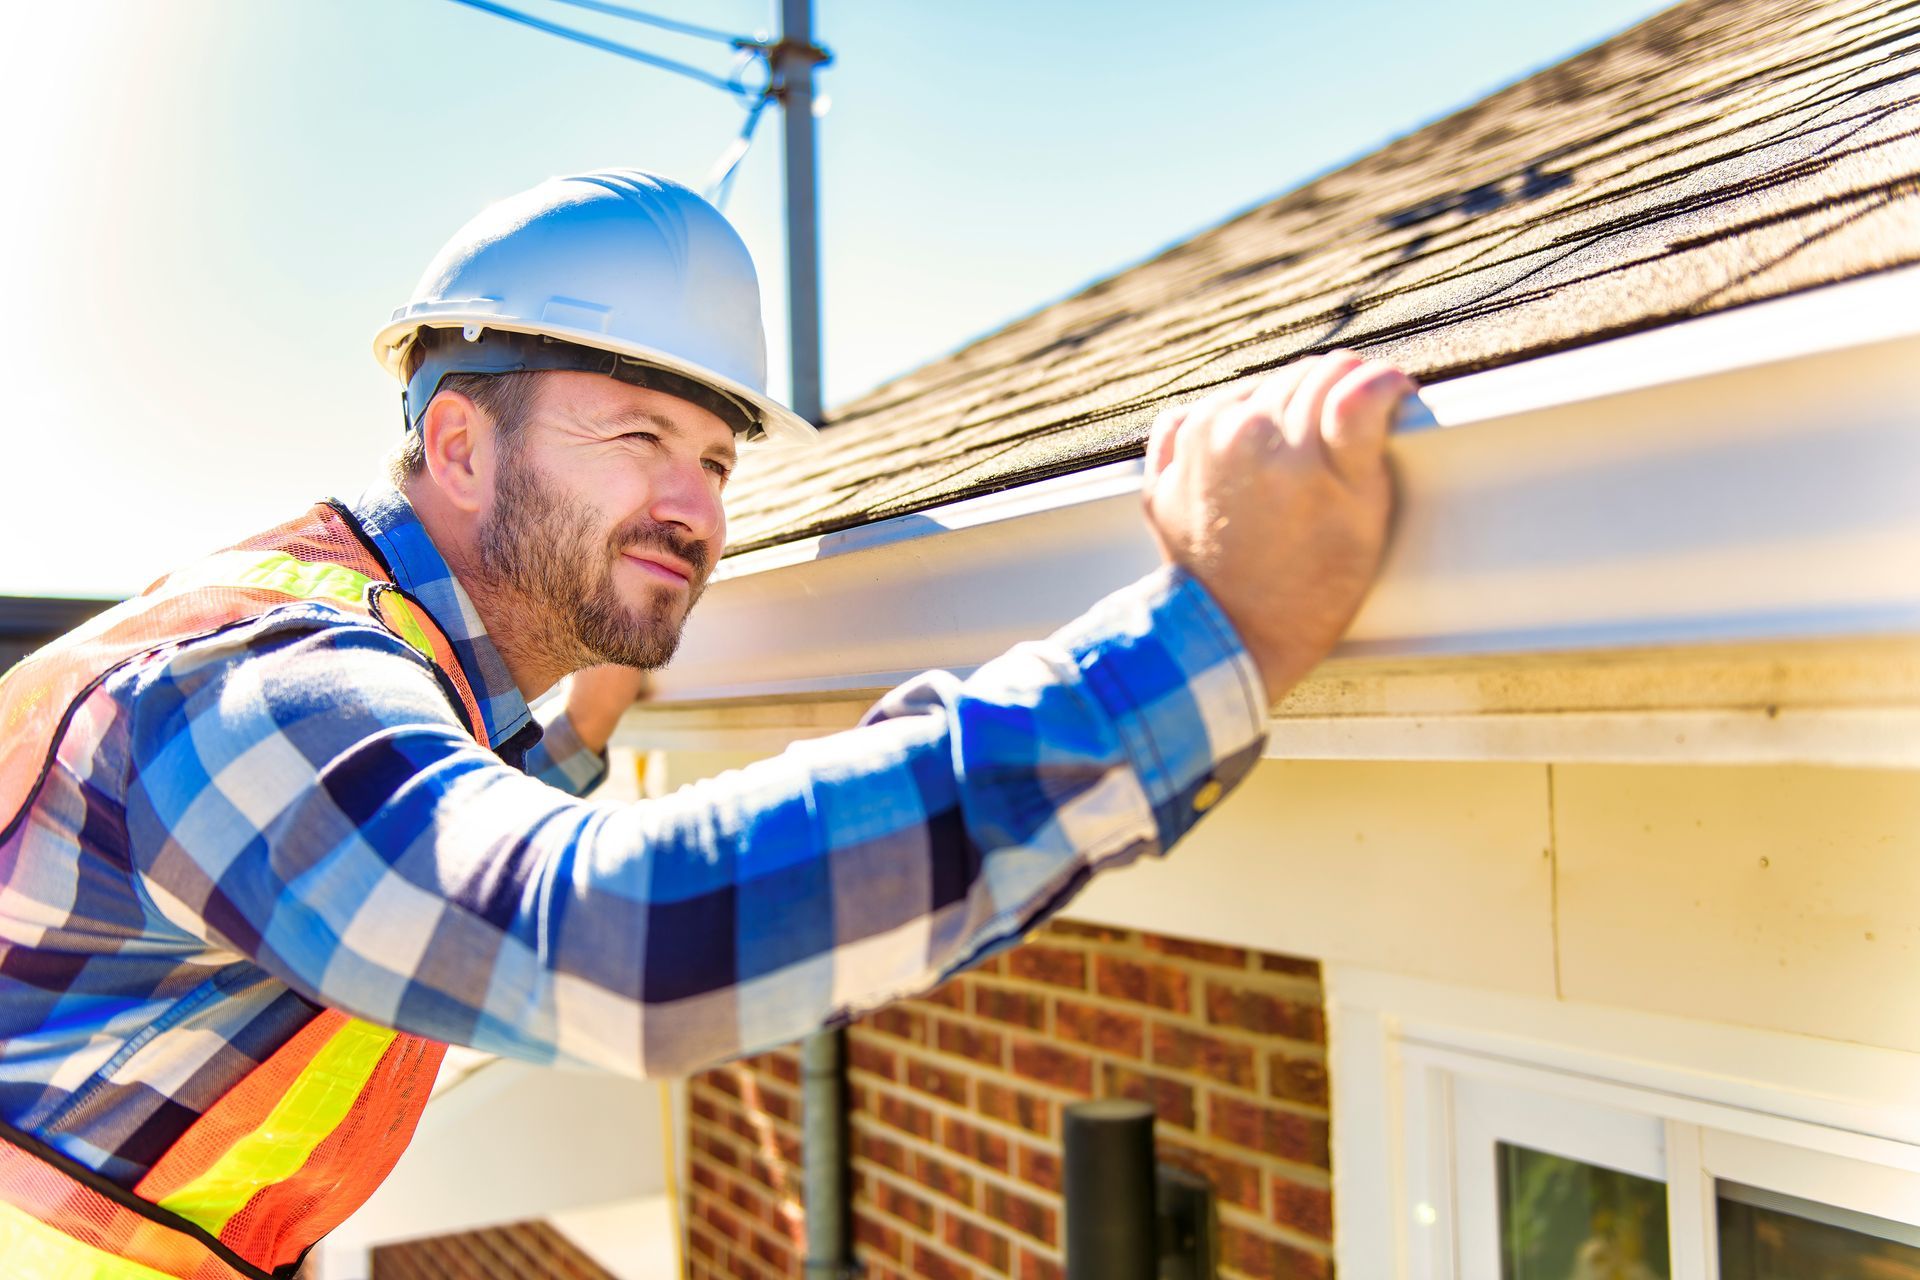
1750	477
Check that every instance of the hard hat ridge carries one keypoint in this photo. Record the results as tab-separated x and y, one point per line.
617	262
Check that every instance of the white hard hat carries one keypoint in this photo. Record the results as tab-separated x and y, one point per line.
619	272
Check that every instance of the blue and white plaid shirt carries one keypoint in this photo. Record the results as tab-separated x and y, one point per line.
288	813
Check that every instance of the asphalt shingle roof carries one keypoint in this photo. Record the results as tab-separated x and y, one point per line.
1723	152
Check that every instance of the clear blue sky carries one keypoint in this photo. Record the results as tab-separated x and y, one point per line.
212	204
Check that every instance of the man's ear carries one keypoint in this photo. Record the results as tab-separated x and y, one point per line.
458	440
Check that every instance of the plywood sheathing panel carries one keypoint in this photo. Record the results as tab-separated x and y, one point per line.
1721	153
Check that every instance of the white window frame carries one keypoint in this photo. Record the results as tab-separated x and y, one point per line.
1425	1076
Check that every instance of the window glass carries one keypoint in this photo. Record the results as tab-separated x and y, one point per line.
1768	1236
1563	1219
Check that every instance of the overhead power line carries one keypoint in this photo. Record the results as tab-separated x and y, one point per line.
614	47
656	20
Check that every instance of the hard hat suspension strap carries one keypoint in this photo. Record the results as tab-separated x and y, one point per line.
494	351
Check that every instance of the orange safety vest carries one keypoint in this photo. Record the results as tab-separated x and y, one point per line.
301	1141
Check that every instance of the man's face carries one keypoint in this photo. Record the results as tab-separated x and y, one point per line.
606	519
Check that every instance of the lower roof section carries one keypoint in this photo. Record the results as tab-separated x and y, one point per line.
1708	534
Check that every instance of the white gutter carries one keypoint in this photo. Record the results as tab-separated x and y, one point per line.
1748	478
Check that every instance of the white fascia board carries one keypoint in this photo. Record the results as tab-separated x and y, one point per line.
1753	476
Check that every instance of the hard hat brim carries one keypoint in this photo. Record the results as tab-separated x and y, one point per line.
780	423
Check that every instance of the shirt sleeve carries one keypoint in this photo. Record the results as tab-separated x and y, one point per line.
305	797
560	759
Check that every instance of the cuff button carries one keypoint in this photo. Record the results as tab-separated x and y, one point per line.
1208	795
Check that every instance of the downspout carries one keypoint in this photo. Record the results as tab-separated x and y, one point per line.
823	1138
823	1078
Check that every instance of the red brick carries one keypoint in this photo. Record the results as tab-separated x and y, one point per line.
1269	1015
1204	952
1055	966
974	1143
896	1021
722	1220
1021	1008
1259	1255
773	1253
1158	985
1289	964
938	1081
882	1151
878	1236
1091	932
1301	1080
976	1241
702	1106
714	1148
1308	1210
1023	1213
704	1177
1172	1101
1048	1064
1122	1033
751	1200
779	1105
1034	1267
1203	1054
969	1040
910	1117
948	995
725	1080
905	1205
1041	1168
864	1053
928	1265
1268	1130
945	1179
1015	1107
1236	1182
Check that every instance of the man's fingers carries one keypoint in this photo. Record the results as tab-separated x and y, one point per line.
1357	414
1301	421
1166	425
1277	388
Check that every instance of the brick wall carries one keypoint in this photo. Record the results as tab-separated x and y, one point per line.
957	1099
512	1252
744	1217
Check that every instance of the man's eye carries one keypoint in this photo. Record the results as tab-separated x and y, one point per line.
647	436
720	469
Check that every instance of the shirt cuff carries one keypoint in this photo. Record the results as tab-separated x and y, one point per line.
560	759
1185	694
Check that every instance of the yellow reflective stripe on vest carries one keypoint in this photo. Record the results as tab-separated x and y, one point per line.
312	1108
303	580
31	1247
276	571
399	612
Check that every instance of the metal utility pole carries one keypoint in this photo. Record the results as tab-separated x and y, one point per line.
793	59
823	1058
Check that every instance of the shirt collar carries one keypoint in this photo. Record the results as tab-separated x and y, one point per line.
421	571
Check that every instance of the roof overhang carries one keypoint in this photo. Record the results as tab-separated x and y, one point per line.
1699	542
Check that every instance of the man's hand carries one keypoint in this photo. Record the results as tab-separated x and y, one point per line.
596	699
1274	493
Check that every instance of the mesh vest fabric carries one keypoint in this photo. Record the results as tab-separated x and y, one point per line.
300	1142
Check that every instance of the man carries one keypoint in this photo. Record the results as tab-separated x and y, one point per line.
280	828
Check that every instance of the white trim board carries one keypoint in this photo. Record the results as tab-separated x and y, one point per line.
1747	479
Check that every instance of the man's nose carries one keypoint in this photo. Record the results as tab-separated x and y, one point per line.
688	497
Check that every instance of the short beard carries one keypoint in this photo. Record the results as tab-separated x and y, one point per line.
554	581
